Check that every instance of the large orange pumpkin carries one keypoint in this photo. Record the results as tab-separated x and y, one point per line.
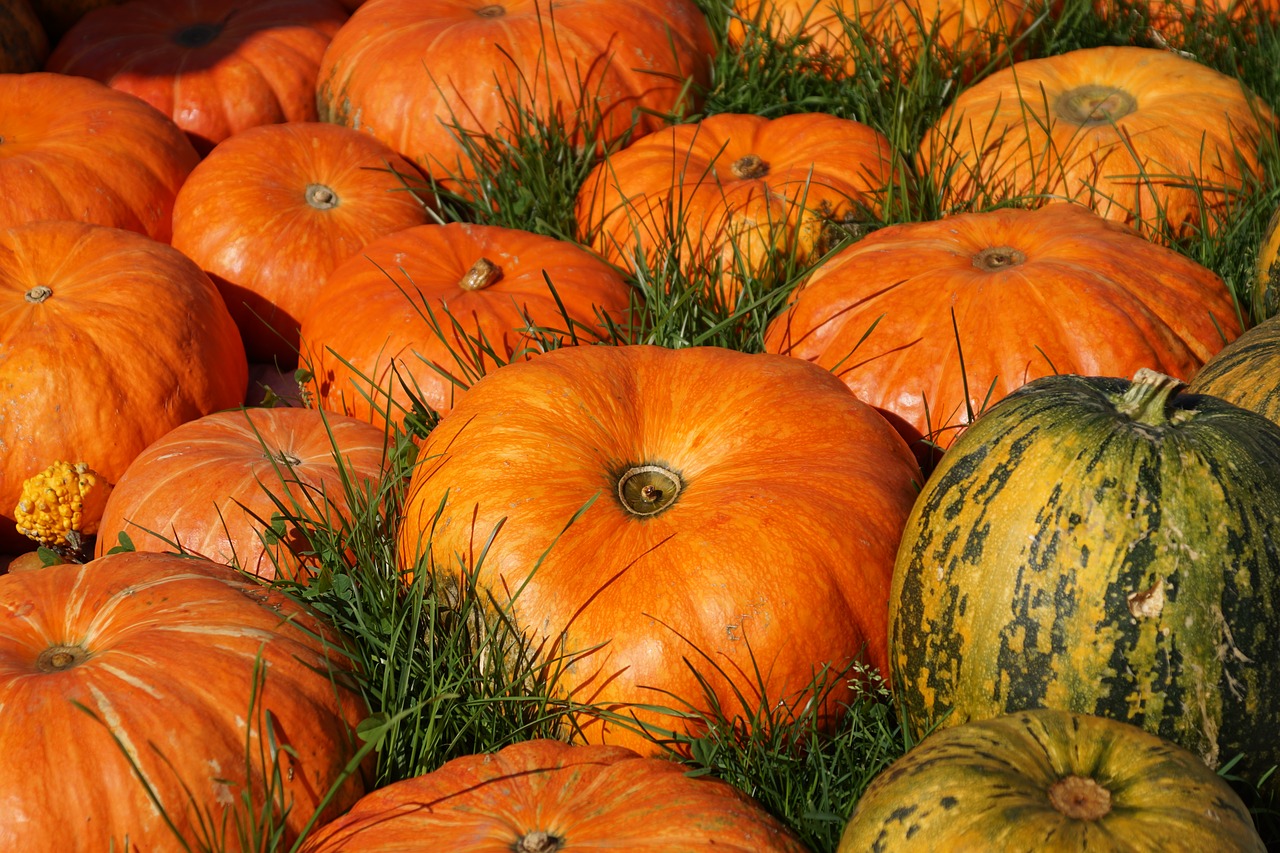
1142	136
425	311
739	516
145	665
214	66
108	340
212	485
271	211
541	796
732	190
930	320
72	148
419	73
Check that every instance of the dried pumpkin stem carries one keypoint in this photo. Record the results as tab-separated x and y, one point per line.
197	35
58	658
647	490
321	197
1079	798
492	11
1093	105
483	273
539	842
750	166
998	258
38	294
1147	400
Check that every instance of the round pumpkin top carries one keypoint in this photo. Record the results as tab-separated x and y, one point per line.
543	796
932	322
698	504
1143	136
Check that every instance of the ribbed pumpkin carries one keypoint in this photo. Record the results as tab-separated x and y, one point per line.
427	310
732	190
541	796
928	320
1049	780
417	74
1143	136
72	148
1247	371
1106	547
739	514
212	485
1266	284
214	66
272	210
108	340
163	653
23	42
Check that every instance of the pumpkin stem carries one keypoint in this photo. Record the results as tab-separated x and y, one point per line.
998	258
1079	798
750	166
58	658
483	273
539	842
38	294
1093	105
647	490
492	11
1147	399
286	457
321	197
197	35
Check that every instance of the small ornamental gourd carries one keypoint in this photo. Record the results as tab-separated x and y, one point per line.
1105	547
60	508
1049	780
542	796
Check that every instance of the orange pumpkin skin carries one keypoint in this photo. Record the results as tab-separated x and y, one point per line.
408	71
162	650
732	188
75	149
1142	136
213	484
319	189
789	501
1030	293
108	340
369	334
215	66
583	797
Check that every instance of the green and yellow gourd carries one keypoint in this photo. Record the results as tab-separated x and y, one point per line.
1103	547
1246	371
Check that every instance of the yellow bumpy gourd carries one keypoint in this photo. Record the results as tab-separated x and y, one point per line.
62	504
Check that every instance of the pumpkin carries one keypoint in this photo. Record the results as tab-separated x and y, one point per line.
1105	547
1247	371
319	189
418	74
1143	136
540	796
23	42
732	191
664	511
193	679
212	486
960	31
929	321
1266	284
424	312
1168	20
58	16
71	148
108	340
1049	780
215	66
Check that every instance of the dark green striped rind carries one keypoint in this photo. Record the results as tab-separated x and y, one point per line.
985	787
1065	556
1247	371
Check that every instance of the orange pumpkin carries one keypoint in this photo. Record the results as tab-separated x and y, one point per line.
427	310
108	340
419	73
71	148
163	653
212	485
1266	277
320	190
1169	19
215	66
1142	136
540	796
732	190
739	514
1006	297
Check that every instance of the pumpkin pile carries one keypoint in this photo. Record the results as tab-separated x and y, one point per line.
764	425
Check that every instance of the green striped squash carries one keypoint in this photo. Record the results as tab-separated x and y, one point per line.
1103	547
1246	371
1049	781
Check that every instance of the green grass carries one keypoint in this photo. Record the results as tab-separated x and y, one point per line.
446	672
